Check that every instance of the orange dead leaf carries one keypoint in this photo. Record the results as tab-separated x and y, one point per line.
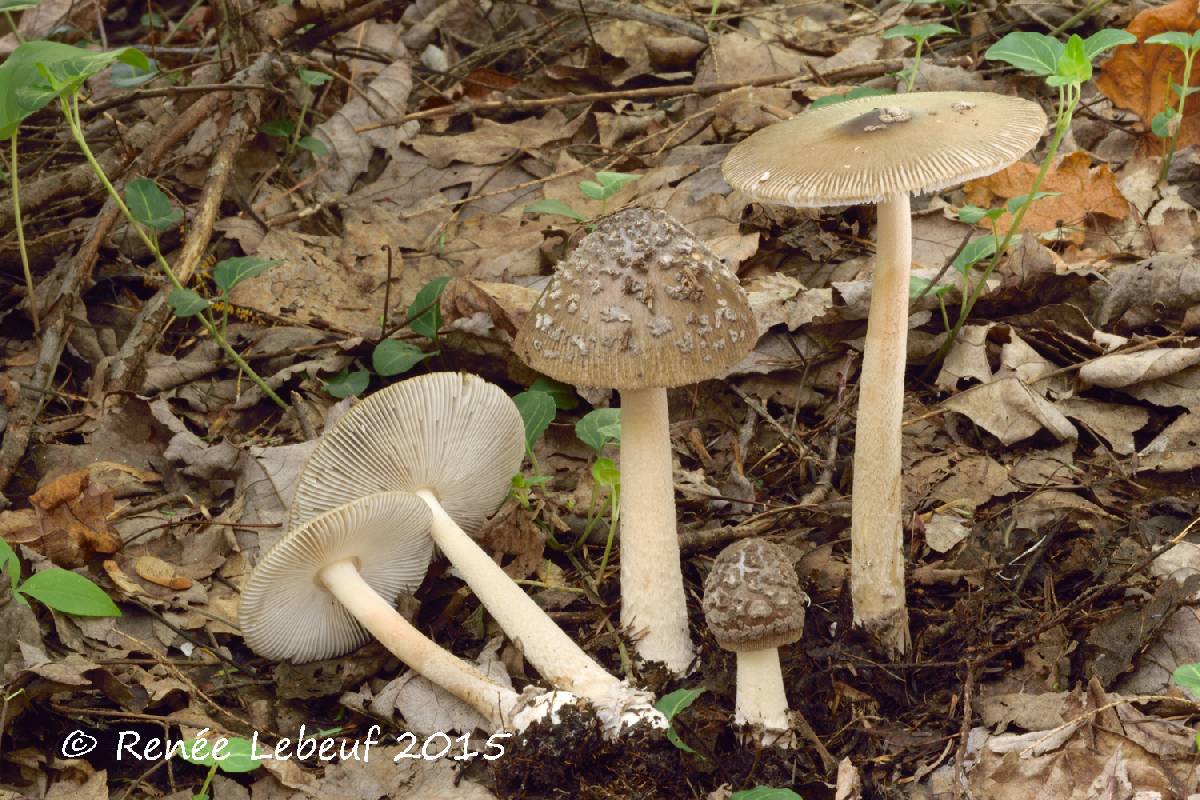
1136	77
1083	190
157	571
68	521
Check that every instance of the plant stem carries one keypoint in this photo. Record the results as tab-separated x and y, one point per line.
70	110
912	76
16	200
13	25
1189	56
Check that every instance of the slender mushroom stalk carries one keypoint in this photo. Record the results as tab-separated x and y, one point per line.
641	306
359	555
876	530
754	605
881	150
455	441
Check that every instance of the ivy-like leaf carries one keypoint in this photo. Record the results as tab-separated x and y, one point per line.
150	206
856	92
564	396
313	145
1035	53
548	206
9	6
537	412
186	303
1178	39
1016	202
315	78
127	76
599	427
394	357
917	284
670	705
70	593
229	272
1163	121
10	562
425	313
606	473
347	384
1074	66
1187	677
1104	40
278	128
975	251
236	756
917	33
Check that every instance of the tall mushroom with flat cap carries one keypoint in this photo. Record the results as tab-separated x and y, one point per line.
641	306
754	605
880	150
455	441
330	582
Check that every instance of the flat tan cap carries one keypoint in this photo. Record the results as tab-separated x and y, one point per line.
639	303
869	148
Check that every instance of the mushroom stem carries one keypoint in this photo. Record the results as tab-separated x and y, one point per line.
761	699
653	603
552	652
876	534
495	702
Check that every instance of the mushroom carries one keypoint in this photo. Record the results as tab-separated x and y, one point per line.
455	441
879	150
754	605
327	583
642	306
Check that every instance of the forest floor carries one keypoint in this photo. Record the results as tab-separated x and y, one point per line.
375	162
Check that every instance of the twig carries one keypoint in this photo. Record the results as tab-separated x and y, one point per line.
635	12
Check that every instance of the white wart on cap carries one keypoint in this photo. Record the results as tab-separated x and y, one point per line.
286	612
870	148
640	302
453	434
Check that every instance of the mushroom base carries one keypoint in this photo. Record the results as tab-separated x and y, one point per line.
761	698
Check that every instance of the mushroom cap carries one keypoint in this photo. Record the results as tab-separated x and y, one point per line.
752	597
870	148
639	303
454	434
286	614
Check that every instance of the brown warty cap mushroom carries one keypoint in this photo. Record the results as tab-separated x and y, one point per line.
869	148
754	605
639	303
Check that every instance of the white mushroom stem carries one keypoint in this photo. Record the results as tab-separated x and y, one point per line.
560	661
653	603
495	702
761	699
876	535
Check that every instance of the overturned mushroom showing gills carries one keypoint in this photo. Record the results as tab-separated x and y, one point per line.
320	590
455	441
754	605
880	150
640	306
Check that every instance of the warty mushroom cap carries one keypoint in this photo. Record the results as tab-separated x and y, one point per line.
452	433
869	148
752	597
639	303
286	613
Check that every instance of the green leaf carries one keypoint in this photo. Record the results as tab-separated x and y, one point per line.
279	128
235	755
9	561
670	705
613	181
1174	38
972	214
70	593
537	412
152	20
186	303
975	251
347	384
856	92
1035	53
564	396
313	145
229	272
1016	202
1162	122
917	33
765	793
10	6
394	357
37	72
1104	40
127	76
917	284
599	427
425	313
606	473
1074	66
592	190
315	78
548	206
1187	677
150	206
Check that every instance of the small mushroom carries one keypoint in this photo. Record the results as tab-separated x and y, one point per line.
754	605
640	306
455	441
328	583
881	150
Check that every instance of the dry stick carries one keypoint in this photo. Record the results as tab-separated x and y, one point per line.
56	322
312	37
635	12
155	312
